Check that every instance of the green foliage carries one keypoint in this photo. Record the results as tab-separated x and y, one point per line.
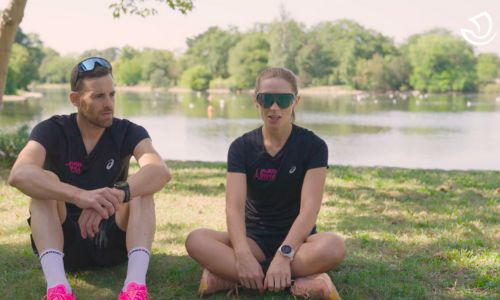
137	7
128	72
314	65
221	83
11	84
441	63
11	143
156	62
196	78
247	59
285	38
487	67
211	49
346	42
158	78
380	74
56	68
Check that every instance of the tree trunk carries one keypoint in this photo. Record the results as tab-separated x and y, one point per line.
10	19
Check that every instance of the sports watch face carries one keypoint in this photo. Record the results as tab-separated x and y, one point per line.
285	249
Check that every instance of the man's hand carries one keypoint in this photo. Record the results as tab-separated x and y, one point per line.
249	271
278	276
89	222
105	201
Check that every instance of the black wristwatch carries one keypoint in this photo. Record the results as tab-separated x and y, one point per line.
123	185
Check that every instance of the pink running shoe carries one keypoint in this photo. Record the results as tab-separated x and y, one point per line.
317	286
211	283
58	293
134	291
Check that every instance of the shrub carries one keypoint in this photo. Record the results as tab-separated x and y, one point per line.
11	144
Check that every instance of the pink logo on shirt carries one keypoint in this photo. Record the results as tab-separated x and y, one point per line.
75	167
265	174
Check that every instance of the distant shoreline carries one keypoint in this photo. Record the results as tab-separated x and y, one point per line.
317	90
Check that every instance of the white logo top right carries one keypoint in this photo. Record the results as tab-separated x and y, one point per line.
479	37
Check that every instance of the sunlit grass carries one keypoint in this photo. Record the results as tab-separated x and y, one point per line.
411	234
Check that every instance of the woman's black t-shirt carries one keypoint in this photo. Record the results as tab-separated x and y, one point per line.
274	183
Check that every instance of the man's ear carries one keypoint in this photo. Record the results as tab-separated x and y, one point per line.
74	97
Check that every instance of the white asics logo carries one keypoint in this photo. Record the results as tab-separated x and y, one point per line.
292	170
110	164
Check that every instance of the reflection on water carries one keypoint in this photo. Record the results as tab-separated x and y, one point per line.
443	131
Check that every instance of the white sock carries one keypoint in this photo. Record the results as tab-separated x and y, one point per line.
138	262
53	268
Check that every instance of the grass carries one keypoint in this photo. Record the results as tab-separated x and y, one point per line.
410	234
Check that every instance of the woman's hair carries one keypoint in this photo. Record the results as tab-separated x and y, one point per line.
282	73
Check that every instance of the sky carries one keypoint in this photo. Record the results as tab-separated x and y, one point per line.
73	26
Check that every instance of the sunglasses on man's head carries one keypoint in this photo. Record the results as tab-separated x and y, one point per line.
89	64
266	100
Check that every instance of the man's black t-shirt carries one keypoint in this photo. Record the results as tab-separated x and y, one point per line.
67	157
274	183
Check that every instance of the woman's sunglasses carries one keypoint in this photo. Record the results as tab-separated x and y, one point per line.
266	100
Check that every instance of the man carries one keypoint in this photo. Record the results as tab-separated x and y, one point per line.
85	212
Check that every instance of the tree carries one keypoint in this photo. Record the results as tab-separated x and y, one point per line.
128	72
313	64
211	49
382	73
441	62
487	67
55	68
346	42
13	14
10	19
285	38
196	78
156	62
247	59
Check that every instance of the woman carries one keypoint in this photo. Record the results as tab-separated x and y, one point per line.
275	181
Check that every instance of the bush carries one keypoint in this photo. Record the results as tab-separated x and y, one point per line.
196	78
11	143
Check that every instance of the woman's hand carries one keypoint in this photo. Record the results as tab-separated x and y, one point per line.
249	271
279	275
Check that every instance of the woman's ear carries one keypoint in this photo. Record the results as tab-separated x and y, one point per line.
255	101
297	101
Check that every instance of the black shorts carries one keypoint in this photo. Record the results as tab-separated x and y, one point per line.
107	248
269	243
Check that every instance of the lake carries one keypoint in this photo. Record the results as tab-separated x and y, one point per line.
437	131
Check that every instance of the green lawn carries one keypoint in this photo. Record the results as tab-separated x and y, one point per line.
411	234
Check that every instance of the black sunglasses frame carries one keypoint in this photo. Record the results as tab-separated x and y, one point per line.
284	100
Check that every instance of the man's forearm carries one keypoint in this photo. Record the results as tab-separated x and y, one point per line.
40	184
148	180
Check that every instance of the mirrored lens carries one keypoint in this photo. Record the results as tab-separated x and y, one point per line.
90	63
267	99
